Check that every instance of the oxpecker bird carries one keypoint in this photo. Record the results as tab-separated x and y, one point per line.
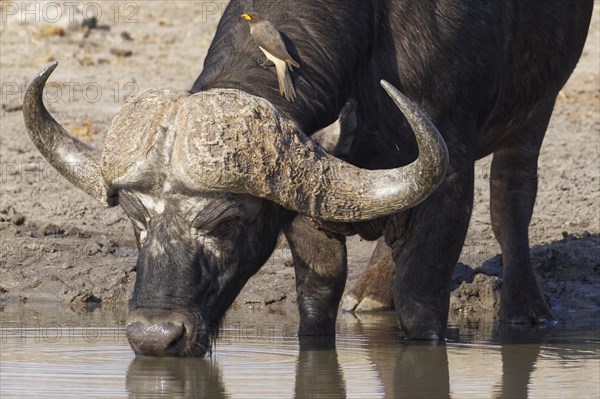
269	40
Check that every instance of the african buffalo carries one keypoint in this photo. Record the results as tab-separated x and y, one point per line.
210	177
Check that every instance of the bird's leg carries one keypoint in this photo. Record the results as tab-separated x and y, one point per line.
265	64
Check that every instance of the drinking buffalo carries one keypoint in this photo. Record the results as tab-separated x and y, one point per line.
210	177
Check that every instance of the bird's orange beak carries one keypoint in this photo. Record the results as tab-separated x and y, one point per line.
247	17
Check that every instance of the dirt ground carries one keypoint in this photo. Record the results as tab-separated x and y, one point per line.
59	244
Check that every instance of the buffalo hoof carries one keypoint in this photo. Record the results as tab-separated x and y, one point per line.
421	334
373	291
424	331
525	310
366	304
422	320
369	294
540	315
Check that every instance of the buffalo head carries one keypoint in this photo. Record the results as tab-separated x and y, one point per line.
203	177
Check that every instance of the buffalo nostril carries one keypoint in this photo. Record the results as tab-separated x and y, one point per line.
157	339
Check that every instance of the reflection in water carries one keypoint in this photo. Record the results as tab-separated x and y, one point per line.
421	371
318	371
415	370
174	378
418	371
519	356
75	355
517	365
411	369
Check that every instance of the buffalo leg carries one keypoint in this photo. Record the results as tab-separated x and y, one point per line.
320	266
513	187
374	289
426	248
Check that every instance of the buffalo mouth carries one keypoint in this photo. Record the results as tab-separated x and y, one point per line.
162	332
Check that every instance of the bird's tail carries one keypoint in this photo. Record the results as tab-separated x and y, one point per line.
286	86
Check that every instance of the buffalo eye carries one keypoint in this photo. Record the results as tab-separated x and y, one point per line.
225	228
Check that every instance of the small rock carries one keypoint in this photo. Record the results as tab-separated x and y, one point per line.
107	246
50	30
36	233
126	36
278	298
89	23
18	219
73	232
121	52
34	167
8	211
114	221
52	229
12	107
482	294
89	298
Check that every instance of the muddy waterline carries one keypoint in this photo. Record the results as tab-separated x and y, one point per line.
51	351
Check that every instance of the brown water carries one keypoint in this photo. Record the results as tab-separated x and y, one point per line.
52	351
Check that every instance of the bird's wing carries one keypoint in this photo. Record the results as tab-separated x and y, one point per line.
266	36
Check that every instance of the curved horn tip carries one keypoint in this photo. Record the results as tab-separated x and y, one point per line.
387	85
34	90
47	71
393	92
